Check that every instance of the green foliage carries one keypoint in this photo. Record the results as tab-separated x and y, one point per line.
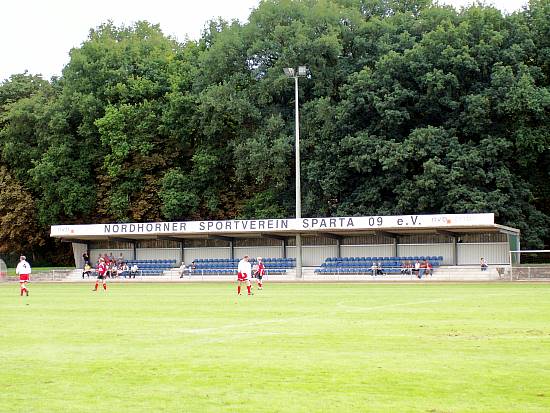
409	107
177	195
20	86
265	204
18	224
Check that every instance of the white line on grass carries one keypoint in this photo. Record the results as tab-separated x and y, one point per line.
218	329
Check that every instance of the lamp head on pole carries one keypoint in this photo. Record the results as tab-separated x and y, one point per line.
289	71
292	72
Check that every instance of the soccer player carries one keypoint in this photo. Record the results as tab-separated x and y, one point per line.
244	271
23	269
101	270
260	272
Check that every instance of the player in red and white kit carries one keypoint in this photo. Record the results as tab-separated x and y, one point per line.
101	274
23	269
260	272
244	272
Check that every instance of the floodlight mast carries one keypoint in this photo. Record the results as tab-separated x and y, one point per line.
293	73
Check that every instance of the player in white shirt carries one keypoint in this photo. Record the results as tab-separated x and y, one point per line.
244	273
23	269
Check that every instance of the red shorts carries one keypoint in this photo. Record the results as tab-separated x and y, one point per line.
23	277
242	277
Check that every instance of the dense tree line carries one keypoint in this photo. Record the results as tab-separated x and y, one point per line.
408	107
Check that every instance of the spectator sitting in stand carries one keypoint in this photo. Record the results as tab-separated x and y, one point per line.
125	270
483	264
379	269
109	269
423	268
117	270
87	270
429	268
182	269
374	269
416	270
134	270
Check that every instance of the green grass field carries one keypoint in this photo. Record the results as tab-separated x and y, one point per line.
289	348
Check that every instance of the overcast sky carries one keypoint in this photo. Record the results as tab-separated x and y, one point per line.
37	35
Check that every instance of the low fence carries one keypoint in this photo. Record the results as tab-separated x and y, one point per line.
533	273
51	275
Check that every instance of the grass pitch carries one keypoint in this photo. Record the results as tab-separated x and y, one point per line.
289	348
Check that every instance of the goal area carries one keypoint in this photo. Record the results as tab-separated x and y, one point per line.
529	264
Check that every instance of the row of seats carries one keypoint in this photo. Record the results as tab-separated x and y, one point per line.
152	267
368	264
151	271
221	263
141	262
233	272
236	260
363	265
365	271
355	270
415	258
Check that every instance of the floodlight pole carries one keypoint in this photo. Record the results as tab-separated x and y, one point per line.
295	73
298	182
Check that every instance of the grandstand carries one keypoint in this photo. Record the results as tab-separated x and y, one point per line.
456	240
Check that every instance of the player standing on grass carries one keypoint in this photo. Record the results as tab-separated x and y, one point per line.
23	269
101	270
260	272
244	272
